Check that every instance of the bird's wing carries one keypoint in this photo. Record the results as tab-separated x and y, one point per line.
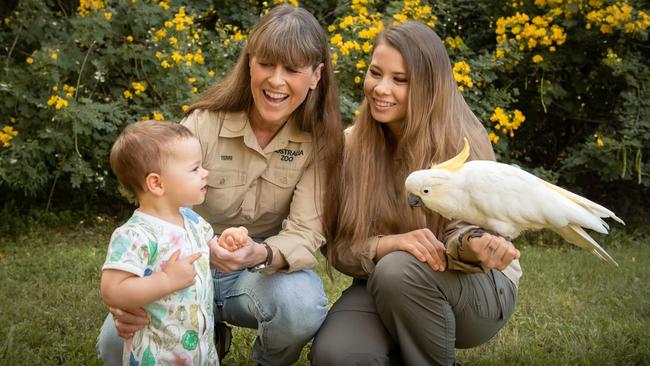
576	235
510	194
588	205
507	194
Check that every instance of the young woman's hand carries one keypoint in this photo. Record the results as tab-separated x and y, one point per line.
421	243
492	251
129	322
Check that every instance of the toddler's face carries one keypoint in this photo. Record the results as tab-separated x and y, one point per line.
183	176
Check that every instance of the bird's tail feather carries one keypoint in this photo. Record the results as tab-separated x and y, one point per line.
590	206
576	235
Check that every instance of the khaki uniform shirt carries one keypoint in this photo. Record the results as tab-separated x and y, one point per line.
270	191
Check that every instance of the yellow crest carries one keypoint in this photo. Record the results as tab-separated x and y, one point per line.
457	161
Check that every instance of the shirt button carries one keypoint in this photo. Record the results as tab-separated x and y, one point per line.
501	291
283	180
222	181
247	217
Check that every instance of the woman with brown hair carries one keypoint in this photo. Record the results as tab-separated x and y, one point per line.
422	285
271	140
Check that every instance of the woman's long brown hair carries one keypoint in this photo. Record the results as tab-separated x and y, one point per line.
372	198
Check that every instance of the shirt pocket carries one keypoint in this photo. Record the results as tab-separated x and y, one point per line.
278	186
225	192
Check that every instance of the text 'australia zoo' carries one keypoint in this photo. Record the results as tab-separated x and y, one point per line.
288	155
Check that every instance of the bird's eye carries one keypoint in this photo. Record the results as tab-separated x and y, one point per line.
425	191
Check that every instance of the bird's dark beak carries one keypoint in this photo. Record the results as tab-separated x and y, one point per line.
414	201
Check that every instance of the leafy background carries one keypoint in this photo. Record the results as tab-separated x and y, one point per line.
561	85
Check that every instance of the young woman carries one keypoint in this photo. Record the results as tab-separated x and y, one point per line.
422	285
271	138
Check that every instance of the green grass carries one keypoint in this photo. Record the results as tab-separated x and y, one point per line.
572	308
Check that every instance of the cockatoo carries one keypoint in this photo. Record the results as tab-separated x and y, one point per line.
507	200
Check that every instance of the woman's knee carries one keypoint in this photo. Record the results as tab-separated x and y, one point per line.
300	306
109	344
395	272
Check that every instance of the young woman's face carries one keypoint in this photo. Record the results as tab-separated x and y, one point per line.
278	91
386	86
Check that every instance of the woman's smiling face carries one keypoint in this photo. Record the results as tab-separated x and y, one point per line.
386	86
279	90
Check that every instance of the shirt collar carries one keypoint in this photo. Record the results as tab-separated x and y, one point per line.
236	124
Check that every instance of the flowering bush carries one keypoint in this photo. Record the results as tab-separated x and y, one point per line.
561	85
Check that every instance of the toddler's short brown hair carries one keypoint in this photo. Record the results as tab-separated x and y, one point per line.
141	149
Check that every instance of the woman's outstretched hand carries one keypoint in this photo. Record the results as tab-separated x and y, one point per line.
421	243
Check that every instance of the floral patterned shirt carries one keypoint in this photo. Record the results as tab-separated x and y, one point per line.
181	324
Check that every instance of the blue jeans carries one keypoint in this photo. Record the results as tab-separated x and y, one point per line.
286	309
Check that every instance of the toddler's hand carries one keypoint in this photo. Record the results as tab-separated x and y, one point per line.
180	272
234	238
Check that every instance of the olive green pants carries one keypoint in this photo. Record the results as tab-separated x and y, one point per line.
408	314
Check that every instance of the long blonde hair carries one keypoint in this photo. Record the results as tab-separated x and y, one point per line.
372	198
292	37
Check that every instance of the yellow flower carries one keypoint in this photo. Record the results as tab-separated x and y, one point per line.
361	64
158	116
138	87
537	59
357	79
599	142
6	135
29	60
172	41
336	39
108	15
191	80
60	103
400	18
158	54
52	100
168	24
331	28
185	107
54	55
165	64
195	90
211	73
493	137
164	5
128	94
198	57
129	39
238	36
366	47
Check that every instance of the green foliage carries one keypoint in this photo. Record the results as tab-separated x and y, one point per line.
563	87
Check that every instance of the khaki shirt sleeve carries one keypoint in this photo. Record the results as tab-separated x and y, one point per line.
358	260
302	232
457	233
455	239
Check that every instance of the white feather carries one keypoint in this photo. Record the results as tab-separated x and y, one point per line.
509	200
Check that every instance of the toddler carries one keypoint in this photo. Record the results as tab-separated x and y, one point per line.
159	259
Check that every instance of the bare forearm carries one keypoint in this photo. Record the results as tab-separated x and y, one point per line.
134	292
